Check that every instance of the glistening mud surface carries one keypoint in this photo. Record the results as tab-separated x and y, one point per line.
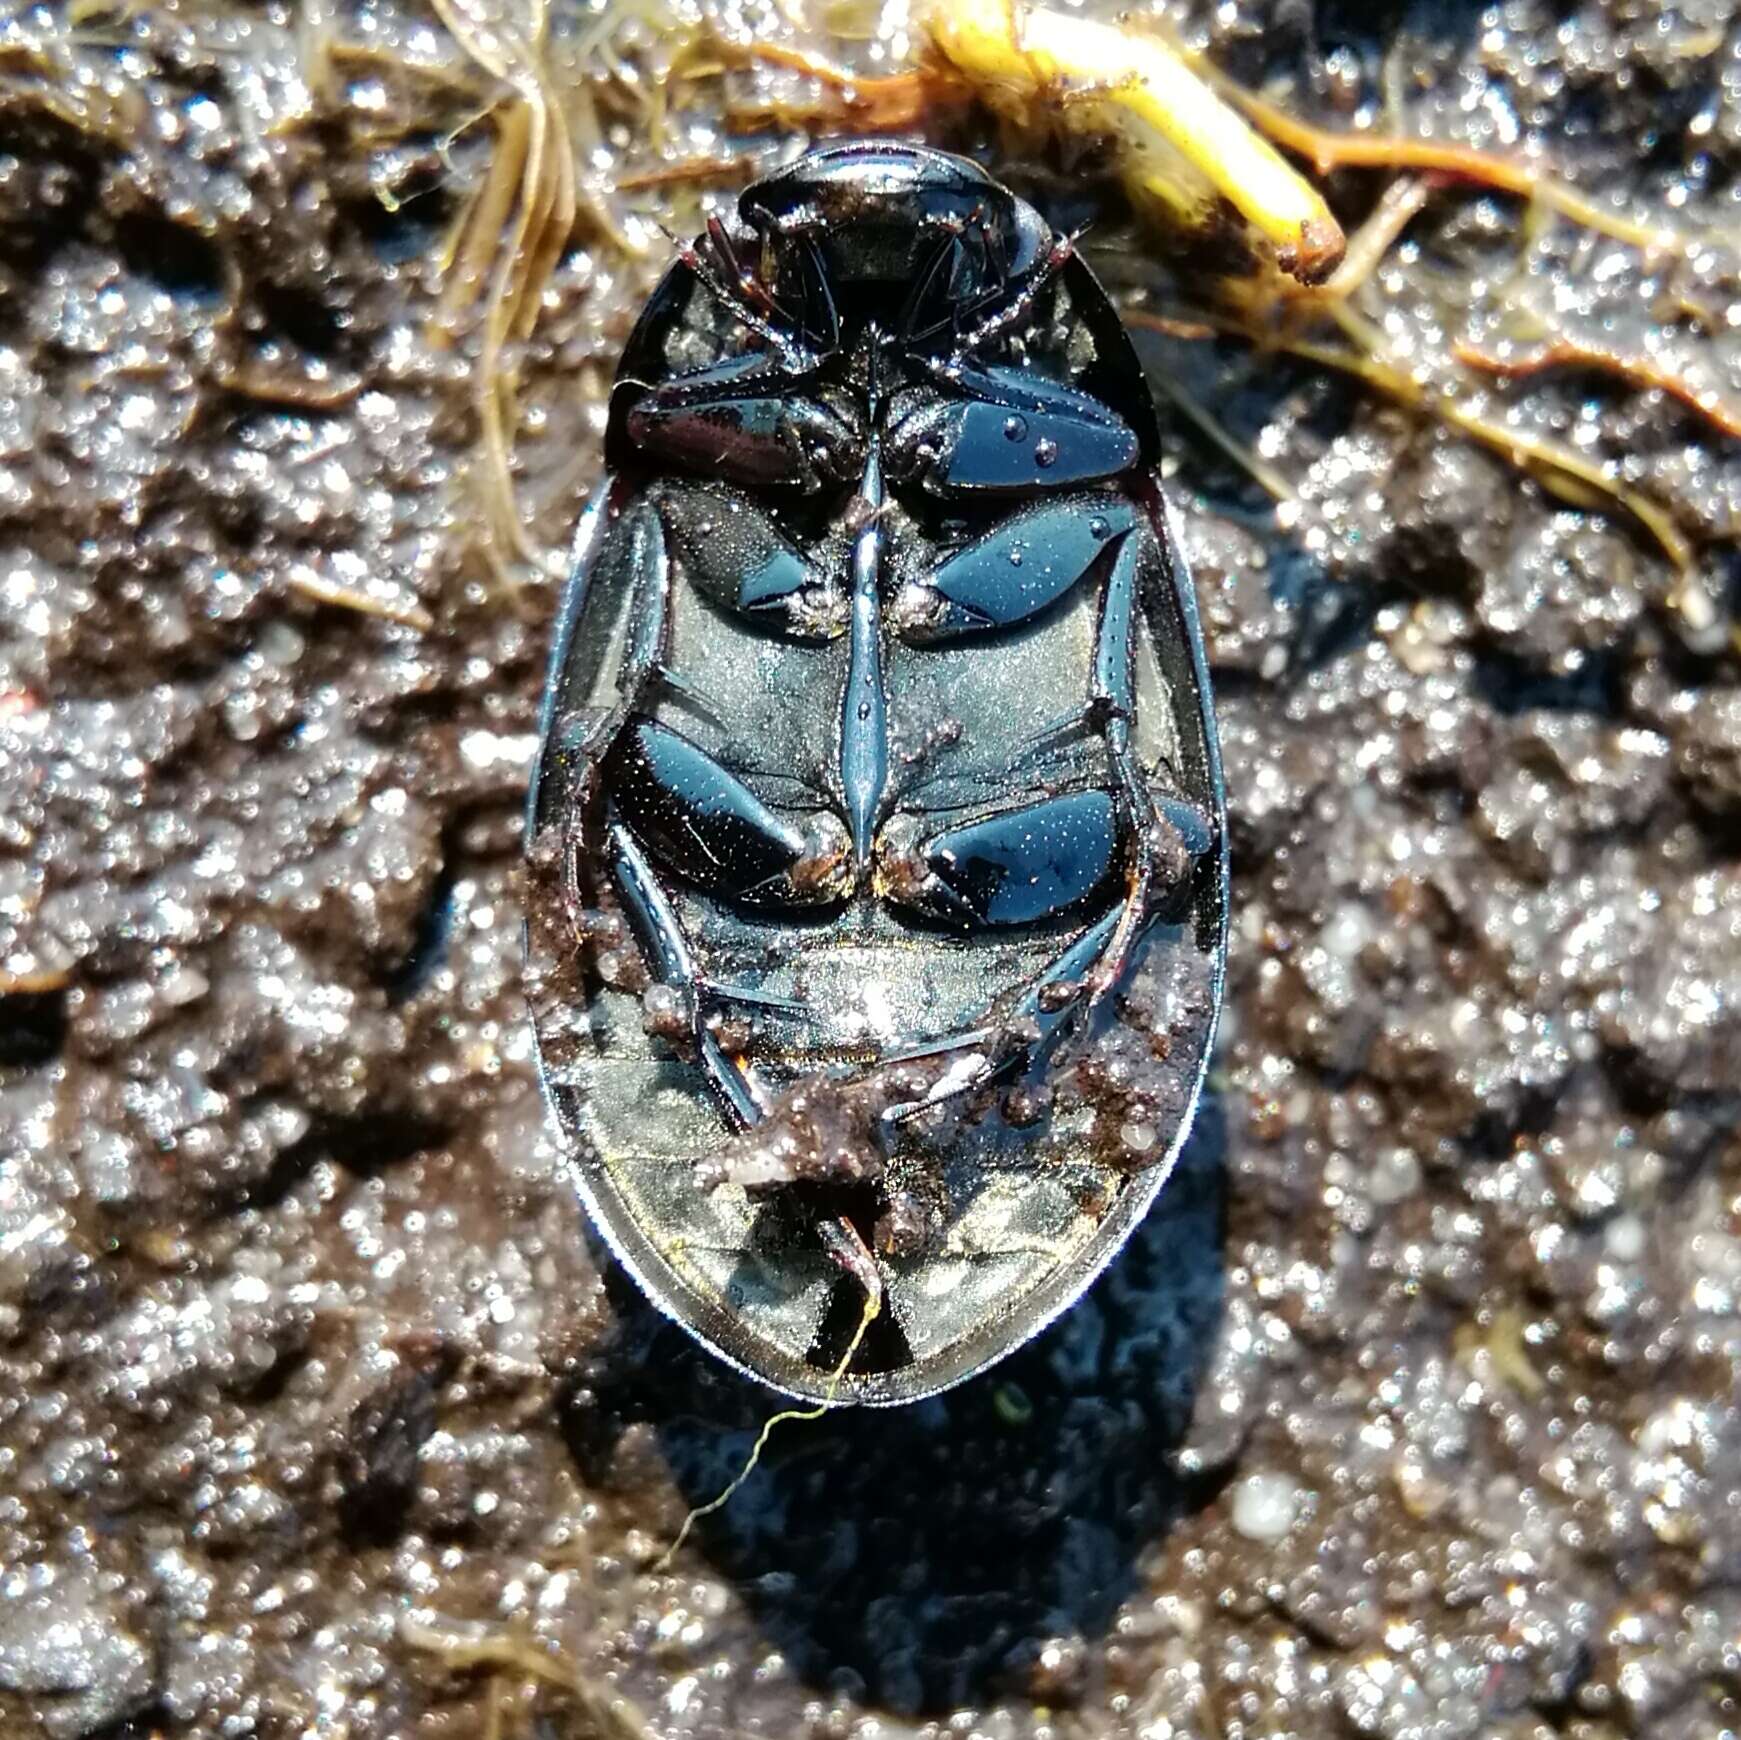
1413	1410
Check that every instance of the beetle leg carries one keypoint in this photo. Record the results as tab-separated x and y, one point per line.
995	430
1015	867
1029	1032
661	936
747	419
821	316
1006	310
706	825
845	1245
729	290
1026	563
734	553
938	284
1167	837
1016	309
1167	834
583	735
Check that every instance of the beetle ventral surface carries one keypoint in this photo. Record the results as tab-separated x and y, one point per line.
878	842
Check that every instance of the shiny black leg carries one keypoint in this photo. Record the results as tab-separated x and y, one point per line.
1029	1030
584	735
1022	566
731	551
989	430
747	420
661	936
701	822
1167	835
1015	867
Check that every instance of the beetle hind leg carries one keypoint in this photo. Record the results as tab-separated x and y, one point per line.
704	824
1167	835
667	949
1014	867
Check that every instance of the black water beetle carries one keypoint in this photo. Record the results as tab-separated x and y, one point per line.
879	883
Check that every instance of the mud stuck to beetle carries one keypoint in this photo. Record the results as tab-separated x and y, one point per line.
883	473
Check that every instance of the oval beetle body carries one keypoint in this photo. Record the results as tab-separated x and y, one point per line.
879	885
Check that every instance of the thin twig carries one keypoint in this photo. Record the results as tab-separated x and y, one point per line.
1641	372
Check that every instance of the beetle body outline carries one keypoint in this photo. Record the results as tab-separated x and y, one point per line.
809	480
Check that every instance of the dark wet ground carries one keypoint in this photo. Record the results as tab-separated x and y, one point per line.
1413	1410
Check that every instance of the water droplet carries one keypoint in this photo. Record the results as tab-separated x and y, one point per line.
1014	428
1097	527
1045	451
1016	556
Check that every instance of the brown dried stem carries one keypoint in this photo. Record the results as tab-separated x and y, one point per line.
1641	372
1557	468
1327	151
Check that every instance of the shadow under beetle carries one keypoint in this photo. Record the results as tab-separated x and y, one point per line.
879	894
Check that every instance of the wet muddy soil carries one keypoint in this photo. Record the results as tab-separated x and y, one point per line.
1412	1411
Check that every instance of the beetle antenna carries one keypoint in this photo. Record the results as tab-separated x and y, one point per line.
1059	255
733	297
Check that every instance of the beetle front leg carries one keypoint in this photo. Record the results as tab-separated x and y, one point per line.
994	430
747	420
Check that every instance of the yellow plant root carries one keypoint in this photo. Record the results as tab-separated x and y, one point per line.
1180	146
1557	468
403	611
872	1306
1399	205
1139	91
890	103
606	1712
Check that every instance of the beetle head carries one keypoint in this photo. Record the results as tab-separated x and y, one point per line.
897	223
